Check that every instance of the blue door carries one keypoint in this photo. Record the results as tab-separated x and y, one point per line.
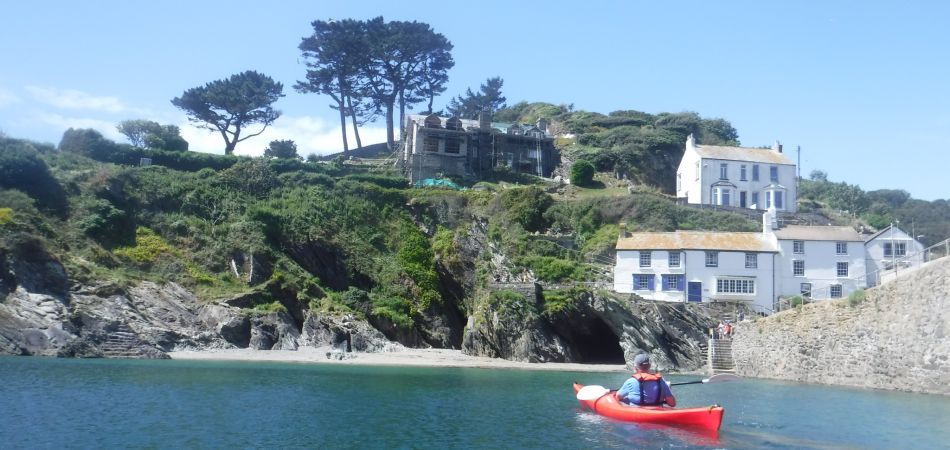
694	291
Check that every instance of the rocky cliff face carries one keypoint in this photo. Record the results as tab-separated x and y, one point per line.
594	329
895	339
43	313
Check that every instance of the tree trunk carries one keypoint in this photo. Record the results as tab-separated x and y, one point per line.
356	130
228	144
346	147
431	99
390	138
402	113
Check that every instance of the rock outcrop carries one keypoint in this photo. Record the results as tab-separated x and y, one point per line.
896	338
594	329
41	314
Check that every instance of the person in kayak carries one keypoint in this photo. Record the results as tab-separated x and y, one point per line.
645	388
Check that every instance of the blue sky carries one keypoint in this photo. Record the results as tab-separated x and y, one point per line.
861	86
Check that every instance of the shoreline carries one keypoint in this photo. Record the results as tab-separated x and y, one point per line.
401	357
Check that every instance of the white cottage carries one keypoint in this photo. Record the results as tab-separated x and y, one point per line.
819	262
696	266
889	248
741	177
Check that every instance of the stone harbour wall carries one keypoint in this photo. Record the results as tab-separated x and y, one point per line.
894	339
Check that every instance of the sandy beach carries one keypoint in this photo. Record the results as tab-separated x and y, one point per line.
396	357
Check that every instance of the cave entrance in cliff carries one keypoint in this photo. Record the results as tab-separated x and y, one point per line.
596	343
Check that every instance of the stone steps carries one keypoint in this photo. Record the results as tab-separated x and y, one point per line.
122	343
719	357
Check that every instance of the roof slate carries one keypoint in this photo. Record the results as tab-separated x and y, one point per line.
763	155
696	240
818	233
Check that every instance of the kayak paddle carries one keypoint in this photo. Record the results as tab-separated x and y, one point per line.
718	378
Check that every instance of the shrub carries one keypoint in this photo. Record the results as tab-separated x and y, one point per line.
148	247
102	221
398	310
416	259
526	207
254	177
796	301
268	308
282	149
556	302
22	168
6	216
582	173
856	297
548	268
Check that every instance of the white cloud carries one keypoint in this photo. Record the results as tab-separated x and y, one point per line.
107	128
311	134
73	99
7	98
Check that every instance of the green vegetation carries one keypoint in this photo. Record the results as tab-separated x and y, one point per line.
148	247
345	239
796	301
230	105
152	135
582	173
268	308
877	209
369	66
856	297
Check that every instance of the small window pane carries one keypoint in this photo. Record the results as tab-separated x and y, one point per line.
835	291
674	259
751	261
842	269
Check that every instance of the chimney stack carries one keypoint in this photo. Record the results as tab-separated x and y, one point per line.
777	147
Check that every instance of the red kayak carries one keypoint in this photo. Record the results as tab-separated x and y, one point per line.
707	418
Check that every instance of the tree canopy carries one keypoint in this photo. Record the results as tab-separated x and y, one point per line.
488	98
282	149
152	135
374	66
230	105
335	55
406	60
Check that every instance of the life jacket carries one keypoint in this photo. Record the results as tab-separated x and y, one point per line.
645	377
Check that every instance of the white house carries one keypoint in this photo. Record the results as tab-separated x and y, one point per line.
889	248
696	266
819	262
742	177
756	268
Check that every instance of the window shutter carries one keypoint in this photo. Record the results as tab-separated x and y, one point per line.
636	282
680	281
650	281
664	281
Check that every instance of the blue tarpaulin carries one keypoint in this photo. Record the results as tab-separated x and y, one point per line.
437	182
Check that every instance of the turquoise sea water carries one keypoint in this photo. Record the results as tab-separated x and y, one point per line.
61	403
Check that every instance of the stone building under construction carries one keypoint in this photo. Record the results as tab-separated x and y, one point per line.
436	147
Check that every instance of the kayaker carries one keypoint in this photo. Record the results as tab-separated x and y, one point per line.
645	388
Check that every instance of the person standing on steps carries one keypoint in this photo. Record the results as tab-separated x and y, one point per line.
645	388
